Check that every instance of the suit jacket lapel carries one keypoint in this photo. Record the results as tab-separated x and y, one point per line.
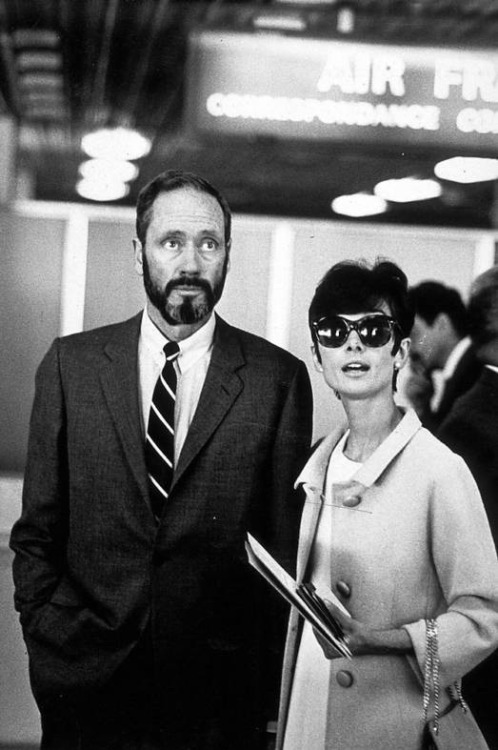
119	378
221	388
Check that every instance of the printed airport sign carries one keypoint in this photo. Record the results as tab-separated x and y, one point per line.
241	83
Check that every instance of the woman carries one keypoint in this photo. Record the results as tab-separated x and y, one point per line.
394	525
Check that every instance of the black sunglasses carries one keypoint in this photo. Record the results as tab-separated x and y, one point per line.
373	330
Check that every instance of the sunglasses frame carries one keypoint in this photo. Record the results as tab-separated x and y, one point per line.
353	325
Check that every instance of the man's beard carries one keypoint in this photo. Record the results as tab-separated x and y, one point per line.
190	309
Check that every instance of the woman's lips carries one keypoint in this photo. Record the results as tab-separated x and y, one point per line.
355	367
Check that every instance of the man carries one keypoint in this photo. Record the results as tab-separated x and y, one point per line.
471	429
443	361
145	626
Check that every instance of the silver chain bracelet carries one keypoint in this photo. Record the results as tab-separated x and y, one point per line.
431	672
431	677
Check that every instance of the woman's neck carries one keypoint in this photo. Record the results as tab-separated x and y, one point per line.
369	425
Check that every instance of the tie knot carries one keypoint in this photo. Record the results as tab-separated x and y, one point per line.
171	351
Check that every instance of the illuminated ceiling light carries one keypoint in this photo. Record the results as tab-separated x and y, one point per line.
408	189
345	20
115	143
39	59
108	170
32	38
279	23
97	190
359	204
467	169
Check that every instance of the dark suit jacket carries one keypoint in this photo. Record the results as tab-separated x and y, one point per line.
93	567
471	430
465	375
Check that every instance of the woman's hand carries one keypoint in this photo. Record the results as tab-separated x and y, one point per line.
355	634
363	639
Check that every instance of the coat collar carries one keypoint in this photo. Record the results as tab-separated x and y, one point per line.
314	472
313	475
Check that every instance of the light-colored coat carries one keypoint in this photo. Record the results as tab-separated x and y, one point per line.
423	549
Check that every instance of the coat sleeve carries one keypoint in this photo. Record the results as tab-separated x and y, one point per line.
467	571
38	538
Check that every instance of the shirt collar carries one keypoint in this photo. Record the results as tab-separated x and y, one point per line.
191	349
455	357
197	345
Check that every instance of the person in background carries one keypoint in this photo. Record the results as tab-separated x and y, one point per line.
155	445
440	347
393	527
471	430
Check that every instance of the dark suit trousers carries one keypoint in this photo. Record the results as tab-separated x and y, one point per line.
123	715
140	710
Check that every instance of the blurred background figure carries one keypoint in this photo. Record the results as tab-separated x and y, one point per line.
471	429
443	361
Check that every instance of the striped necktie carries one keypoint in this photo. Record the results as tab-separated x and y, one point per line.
160	441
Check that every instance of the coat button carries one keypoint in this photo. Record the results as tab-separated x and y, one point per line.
351	501
344	589
345	679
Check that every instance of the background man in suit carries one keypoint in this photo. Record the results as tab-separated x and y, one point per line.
471	429
443	360
145	626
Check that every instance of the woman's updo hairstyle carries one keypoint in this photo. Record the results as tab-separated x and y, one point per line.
351	287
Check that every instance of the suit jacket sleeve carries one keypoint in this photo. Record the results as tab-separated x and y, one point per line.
39	536
280	536
291	450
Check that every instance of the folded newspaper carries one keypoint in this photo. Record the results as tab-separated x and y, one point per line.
308	600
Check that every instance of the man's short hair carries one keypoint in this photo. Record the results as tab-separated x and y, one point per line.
432	298
174	179
483	308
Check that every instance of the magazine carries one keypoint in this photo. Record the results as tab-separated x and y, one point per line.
308	599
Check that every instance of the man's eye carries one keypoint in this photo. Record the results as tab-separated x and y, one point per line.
171	244
209	245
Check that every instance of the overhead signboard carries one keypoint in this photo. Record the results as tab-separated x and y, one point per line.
334	90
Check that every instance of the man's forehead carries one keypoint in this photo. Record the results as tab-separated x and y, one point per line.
187	199
187	207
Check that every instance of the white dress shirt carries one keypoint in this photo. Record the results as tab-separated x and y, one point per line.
191	367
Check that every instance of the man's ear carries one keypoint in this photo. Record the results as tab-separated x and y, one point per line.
443	323
139	260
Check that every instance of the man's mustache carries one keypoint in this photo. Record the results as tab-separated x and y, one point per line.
185	281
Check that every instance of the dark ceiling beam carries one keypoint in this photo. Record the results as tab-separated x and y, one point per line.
156	26
99	112
10	83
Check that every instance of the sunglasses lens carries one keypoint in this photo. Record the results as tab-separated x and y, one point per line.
332	332
375	331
